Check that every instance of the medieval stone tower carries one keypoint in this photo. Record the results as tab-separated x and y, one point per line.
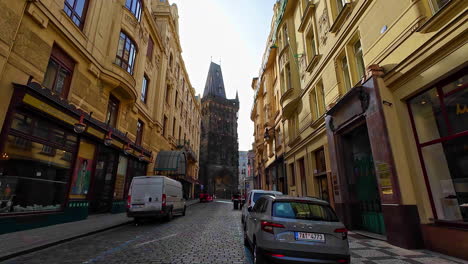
218	145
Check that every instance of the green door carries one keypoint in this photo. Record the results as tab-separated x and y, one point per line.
368	194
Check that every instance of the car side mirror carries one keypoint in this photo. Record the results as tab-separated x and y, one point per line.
249	208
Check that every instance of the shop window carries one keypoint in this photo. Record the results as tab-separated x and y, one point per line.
440	122
135	7
144	89
126	53
112	111
36	175
436	5
76	10
59	72
139	132
149	51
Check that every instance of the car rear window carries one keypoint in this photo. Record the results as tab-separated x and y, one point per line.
258	195
304	210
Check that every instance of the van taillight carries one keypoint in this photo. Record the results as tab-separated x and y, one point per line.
343	231
163	199
268	226
129	200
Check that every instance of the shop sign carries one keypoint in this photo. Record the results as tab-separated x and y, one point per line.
82	173
385	177
36	103
462	109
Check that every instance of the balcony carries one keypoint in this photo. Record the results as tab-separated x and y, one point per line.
290	100
184	145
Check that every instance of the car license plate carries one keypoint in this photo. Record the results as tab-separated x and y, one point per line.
310	237
138	205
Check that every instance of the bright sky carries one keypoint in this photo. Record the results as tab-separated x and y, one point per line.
233	31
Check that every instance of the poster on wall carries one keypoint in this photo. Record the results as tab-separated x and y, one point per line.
81	178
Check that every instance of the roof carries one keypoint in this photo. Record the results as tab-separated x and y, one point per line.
172	162
214	82
266	191
305	199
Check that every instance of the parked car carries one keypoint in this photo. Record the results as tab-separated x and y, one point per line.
252	197
287	229
155	196
205	197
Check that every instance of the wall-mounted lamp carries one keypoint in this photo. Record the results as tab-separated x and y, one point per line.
387	103
80	126
108	139
126	148
141	156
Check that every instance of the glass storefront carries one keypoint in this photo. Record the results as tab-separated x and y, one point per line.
36	167
440	121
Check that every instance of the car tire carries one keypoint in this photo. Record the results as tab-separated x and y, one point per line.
257	256
185	208
169	215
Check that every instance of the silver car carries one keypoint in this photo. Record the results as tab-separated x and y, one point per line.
287	229
252	198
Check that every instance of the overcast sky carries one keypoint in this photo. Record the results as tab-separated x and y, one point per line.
233	32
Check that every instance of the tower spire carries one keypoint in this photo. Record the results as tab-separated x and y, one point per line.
214	82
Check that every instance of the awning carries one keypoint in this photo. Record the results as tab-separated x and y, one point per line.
171	163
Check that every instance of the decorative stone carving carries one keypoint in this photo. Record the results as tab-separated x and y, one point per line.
324	26
131	20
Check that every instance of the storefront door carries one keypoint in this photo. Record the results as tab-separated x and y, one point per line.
104	179
362	182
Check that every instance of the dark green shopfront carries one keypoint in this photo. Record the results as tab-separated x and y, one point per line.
51	172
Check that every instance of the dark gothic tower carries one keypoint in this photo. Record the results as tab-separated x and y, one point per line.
218	145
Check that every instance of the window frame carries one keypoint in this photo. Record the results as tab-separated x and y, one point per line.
139	132
144	89
82	17
63	61
150	48
138	8
132	53
109	116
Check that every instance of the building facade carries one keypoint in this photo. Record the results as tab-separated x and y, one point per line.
243	170
85	105
219	156
373	99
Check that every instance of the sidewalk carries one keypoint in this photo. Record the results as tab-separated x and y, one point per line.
17	243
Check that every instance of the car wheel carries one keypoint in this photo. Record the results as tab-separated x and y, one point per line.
257	256
183	213
169	215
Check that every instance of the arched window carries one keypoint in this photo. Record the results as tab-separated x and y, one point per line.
126	53
135	7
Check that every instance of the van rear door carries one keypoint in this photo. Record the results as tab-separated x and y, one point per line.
146	194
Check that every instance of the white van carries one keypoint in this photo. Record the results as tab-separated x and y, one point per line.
155	196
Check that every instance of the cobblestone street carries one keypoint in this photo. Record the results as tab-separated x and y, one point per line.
209	233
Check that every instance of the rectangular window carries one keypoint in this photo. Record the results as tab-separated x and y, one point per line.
149	51
288	77
144	89
346	79
112	111
139	132
439	118
126	53
293	174
303	177
174	121
360	68
311	49
59	72
320	174
180	132
304	211
168	93
340	5
76	10
436	5
164	126
176	98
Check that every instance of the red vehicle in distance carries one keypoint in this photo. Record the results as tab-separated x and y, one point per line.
205	197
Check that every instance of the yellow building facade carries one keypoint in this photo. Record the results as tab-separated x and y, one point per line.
99	89
373	95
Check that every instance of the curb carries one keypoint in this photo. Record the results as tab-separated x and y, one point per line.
51	244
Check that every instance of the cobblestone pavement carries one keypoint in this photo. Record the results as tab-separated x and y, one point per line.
209	234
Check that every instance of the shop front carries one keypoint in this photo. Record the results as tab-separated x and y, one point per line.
439	120
364	180
51	174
